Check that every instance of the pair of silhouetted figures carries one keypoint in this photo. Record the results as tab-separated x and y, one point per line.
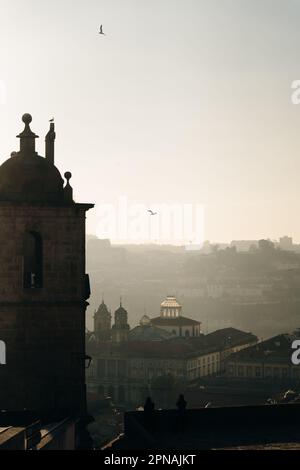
149	412
149	406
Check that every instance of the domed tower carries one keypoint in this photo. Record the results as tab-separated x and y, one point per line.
43	284
102	323
170	308
120	329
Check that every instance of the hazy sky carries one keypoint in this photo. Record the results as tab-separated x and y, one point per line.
185	101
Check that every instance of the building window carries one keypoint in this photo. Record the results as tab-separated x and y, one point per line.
249	371
111	392
122	368
257	372
241	371
111	368
121	394
101	368
33	261
187	333
150	373
268	372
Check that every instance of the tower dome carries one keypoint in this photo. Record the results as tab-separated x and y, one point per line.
102	309
28	177
145	321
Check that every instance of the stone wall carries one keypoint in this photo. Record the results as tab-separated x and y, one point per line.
43	328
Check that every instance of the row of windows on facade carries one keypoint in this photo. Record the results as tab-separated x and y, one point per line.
170	312
258	371
187	333
203	360
210	369
112	368
150	373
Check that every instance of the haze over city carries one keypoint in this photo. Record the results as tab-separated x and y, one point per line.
186	102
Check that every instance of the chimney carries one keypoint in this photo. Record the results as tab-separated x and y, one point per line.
50	138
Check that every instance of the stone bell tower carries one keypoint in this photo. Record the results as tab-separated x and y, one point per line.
102	323
120	329
43	284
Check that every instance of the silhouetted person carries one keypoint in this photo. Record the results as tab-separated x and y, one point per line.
181	414
149	405
149	408
181	403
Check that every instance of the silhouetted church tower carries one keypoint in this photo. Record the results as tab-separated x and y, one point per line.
102	323
120	329
43	284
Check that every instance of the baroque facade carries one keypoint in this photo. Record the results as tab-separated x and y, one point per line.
130	364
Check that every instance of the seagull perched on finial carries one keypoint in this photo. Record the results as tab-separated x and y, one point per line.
101	30
51	120
151	212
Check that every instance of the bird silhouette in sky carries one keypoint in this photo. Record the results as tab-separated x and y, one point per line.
101	30
51	120
151	212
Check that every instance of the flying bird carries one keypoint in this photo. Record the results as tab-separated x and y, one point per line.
151	212
101	30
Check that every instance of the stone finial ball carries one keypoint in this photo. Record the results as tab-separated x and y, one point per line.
27	118
68	175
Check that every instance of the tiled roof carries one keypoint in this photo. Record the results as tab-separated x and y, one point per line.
277	348
173	321
148	333
170	302
173	348
230	337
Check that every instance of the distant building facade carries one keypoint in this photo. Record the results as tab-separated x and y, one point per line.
268	360
132	363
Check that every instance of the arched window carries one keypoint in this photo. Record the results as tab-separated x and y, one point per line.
33	261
